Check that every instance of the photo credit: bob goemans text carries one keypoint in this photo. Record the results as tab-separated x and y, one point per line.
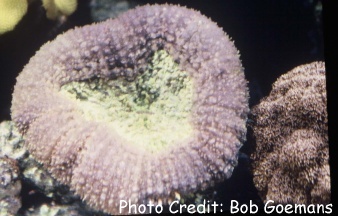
212	207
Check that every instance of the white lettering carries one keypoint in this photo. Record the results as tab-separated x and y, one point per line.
132	206
171	205
279	208
288	209
158	211
328	208
191	209
121	207
243	208
253	206
300	207
141	209
201	208
269	209
234	207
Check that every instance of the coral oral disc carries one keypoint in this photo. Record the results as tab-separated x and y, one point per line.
150	112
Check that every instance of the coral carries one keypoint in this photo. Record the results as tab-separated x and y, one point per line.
11	13
11	142
40	181
13	152
58	8
145	107
10	186
12	146
291	158
37	177
72	209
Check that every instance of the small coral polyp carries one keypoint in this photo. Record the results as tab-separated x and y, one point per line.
152	111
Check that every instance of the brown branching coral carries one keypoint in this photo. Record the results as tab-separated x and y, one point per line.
144	107
291	157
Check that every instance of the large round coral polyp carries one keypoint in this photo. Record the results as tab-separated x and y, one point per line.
143	107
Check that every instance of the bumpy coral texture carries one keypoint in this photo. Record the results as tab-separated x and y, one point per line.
91	157
291	158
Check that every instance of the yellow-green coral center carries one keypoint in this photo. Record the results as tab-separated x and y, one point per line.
153	111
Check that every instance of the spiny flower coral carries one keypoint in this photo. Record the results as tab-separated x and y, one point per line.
144	107
291	158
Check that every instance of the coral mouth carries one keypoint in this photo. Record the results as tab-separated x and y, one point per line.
152	111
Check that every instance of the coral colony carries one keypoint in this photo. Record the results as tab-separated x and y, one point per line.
290	127
147	107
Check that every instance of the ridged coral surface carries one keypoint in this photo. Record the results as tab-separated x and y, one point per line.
291	158
156	63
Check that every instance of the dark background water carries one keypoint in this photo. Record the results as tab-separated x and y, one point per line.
272	36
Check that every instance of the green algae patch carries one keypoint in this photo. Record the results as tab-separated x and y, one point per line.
153	111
